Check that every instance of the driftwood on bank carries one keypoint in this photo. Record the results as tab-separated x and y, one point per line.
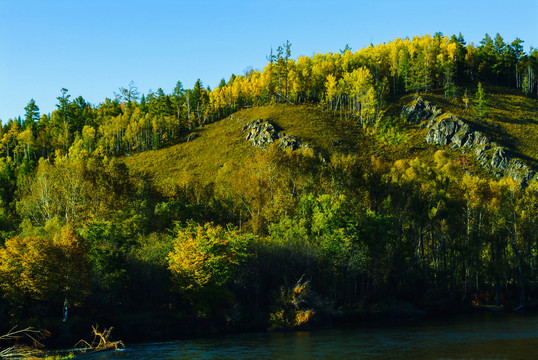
100	342
17	350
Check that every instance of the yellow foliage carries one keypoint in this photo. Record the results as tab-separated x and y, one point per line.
291	310
40	268
302	317
207	256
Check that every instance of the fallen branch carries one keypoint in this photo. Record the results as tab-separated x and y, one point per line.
100	342
16	350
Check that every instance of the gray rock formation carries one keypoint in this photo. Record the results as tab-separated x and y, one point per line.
419	110
261	133
444	131
451	130
289	141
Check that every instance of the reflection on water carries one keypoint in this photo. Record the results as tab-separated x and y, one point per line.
480	336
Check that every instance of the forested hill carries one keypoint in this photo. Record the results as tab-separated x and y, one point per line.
397	180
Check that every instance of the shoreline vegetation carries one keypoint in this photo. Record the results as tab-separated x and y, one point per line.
394	182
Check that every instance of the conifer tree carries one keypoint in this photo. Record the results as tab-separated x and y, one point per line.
481	102
31	116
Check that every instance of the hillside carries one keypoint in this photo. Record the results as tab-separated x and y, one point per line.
512	123
389	182
224	142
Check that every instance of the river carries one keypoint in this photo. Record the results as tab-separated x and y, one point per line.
477	336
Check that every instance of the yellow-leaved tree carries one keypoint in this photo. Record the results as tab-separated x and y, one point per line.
204	260
41	268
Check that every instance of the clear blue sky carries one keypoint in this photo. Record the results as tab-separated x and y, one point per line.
93	47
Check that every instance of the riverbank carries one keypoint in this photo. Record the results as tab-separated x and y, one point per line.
162	326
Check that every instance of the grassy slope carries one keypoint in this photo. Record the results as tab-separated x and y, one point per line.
513	123
224	142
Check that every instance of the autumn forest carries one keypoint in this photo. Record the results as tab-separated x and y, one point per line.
152	213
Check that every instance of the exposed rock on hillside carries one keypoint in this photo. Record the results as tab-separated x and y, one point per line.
261	133
419	110
451	130
289	141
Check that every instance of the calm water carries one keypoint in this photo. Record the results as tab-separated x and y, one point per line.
480	336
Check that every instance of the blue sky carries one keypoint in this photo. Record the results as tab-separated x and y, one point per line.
93	47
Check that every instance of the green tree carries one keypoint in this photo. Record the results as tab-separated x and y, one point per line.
60	121
459	58
178	99
128	95
31	117
481	102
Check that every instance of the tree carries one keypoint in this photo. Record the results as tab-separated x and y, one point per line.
278	69
81	114
513	55
60	120
459	58
41	268
128	95
486	58
197	100
481	102
8	187
31	117
178	99
499	66
205	259
345	49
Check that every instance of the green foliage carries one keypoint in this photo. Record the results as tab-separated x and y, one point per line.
107	257
389	131
481	102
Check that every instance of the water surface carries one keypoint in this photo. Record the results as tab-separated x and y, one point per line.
478	336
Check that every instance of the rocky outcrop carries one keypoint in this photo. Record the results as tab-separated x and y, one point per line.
450	130
444	131
291	142
261	133
419	110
